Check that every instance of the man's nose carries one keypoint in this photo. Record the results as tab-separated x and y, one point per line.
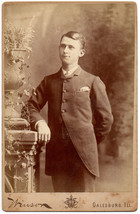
66	49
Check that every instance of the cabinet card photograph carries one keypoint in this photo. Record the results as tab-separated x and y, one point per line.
69	106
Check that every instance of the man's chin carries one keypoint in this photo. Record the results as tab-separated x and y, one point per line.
65	62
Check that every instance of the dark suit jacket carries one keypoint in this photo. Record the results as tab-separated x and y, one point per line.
81	103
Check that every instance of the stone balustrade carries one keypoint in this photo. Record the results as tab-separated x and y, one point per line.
22	161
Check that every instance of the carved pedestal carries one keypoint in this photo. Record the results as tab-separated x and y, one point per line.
21	161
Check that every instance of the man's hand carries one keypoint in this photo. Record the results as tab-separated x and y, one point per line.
43	130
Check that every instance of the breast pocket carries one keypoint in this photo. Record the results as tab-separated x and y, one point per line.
82	98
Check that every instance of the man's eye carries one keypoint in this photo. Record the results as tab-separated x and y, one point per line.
62	46
71	47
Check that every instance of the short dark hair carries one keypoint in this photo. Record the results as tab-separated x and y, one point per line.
76	36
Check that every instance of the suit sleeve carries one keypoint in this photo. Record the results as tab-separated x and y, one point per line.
102	110
37	101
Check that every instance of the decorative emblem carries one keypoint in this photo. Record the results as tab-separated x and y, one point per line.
71	202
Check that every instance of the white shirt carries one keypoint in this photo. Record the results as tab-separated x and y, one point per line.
68	73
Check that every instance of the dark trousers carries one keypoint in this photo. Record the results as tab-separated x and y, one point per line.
70	174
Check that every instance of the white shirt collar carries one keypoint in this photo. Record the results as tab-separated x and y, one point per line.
70	71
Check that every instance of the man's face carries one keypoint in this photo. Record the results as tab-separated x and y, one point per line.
70	51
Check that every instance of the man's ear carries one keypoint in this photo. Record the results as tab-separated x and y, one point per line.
82	52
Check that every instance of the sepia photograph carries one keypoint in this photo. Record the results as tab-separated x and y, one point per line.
69	73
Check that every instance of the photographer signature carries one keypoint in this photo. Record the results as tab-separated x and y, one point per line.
17	203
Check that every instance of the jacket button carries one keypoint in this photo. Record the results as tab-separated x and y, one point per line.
63	110
64	101
65	81
64	90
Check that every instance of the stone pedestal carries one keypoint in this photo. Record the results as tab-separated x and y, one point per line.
22	161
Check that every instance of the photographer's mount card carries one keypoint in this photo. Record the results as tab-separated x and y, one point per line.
69	106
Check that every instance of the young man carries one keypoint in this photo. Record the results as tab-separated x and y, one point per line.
79	117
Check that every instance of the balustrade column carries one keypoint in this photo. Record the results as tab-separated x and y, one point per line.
22	161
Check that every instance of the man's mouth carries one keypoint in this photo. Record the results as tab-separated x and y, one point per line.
65	56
